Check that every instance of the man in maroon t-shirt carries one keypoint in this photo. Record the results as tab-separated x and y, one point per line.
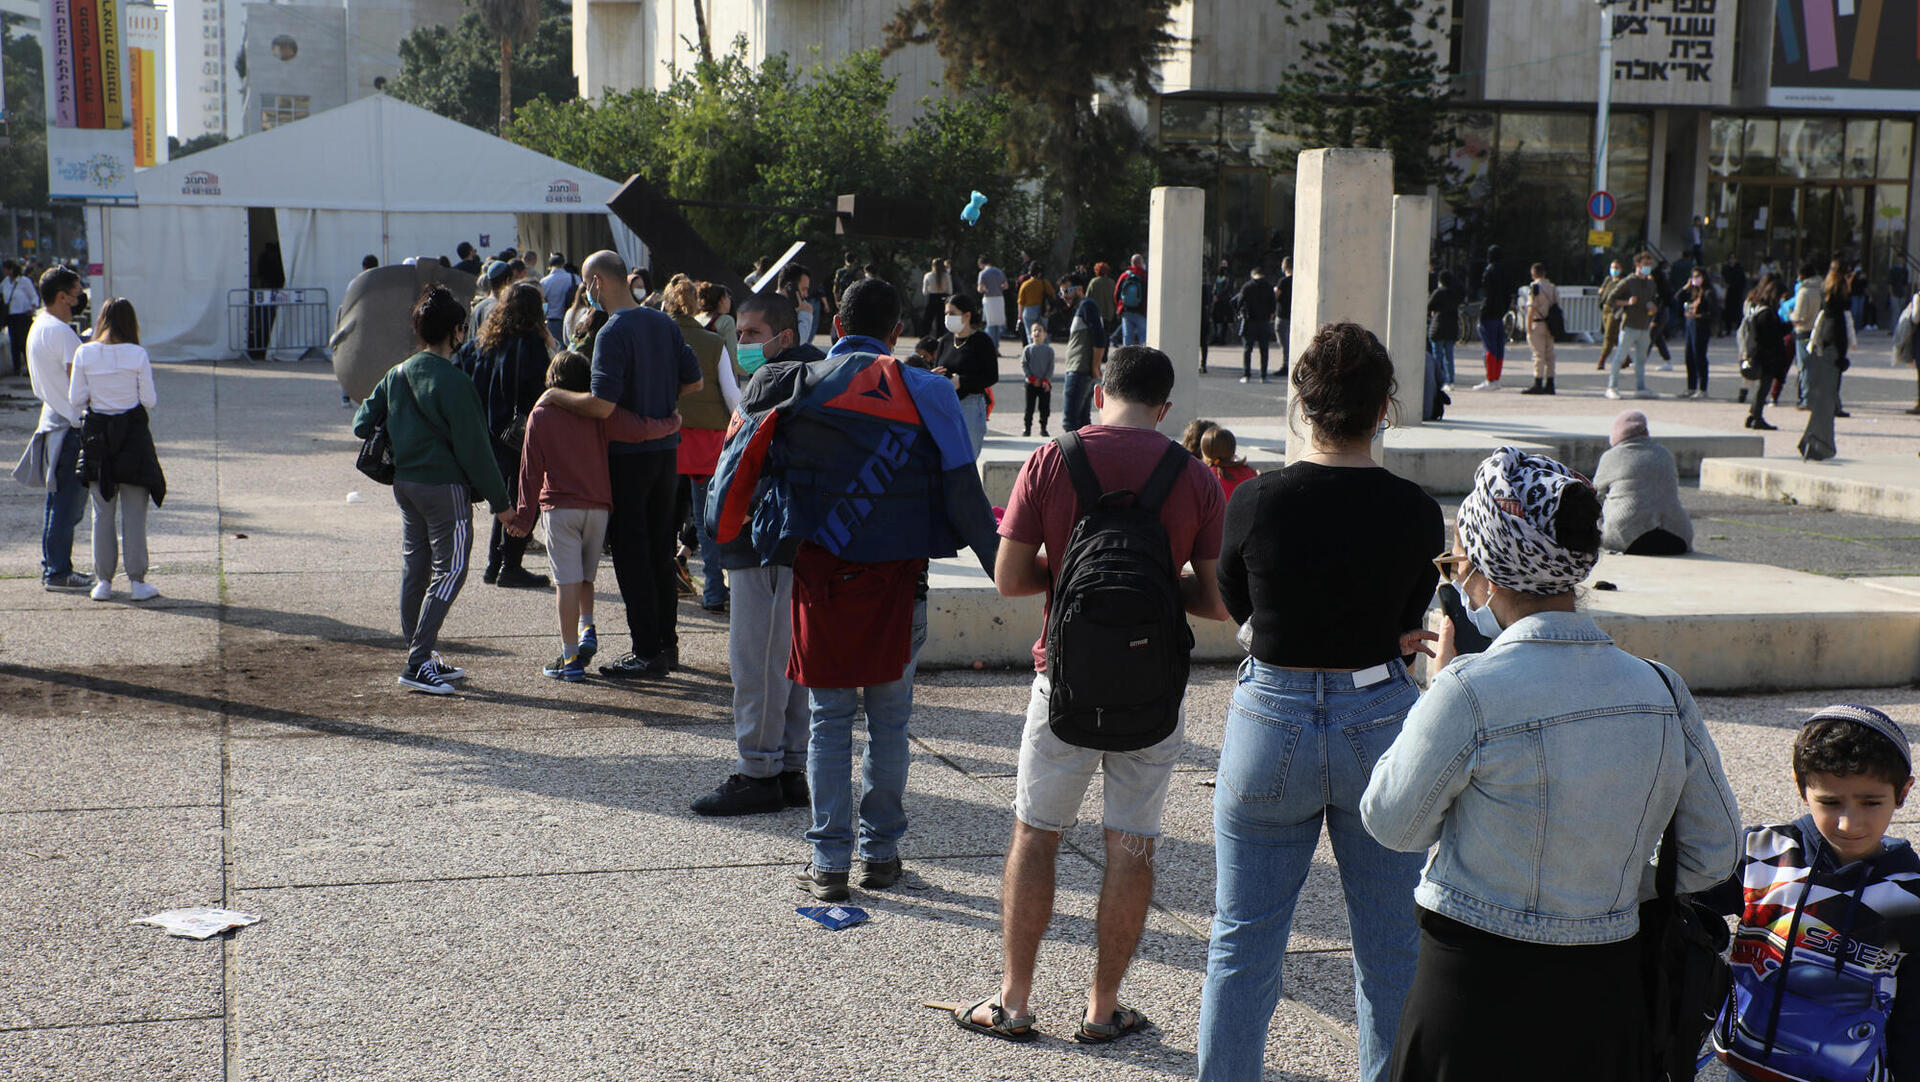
1123	451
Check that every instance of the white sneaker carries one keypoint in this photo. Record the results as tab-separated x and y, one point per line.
1667	367
144	591
1611	393
1487	385
102	590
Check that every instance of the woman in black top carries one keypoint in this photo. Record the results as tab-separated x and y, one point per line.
508	360
1826	359
969	358
1329	562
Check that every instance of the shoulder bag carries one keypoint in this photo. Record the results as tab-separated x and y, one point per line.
1684	969
376	451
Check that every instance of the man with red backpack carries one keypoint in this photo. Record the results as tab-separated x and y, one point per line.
1130	300
1118	509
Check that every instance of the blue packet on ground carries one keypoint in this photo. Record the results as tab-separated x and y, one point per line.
834	917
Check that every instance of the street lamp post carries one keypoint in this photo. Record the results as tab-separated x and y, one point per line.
1604	107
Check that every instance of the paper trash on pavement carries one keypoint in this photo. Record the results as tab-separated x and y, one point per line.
200	922
834	917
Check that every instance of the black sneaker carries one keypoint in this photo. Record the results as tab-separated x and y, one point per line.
880	875
793	789
741	795
71	582
425	679
634	667
519	578
826	886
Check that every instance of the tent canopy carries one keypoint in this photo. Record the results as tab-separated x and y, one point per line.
375	154
374	176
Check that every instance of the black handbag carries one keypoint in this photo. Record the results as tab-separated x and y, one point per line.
1683	948
376	451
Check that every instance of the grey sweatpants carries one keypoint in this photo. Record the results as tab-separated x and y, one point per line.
436	537
131	503
770	714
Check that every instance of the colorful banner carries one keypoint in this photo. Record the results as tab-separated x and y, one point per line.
146	39
112	64
1838	54
90	151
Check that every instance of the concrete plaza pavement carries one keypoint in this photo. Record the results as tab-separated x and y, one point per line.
506	883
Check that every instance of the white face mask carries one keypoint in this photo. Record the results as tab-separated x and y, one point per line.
1481	618
956	324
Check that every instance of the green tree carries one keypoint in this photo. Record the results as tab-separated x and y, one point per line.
775	135
1050	60
1370	76
23	168
510	22
457	71
178	149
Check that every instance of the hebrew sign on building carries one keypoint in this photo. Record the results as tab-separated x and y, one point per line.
1665	52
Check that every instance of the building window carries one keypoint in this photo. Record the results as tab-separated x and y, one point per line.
278	109
285	48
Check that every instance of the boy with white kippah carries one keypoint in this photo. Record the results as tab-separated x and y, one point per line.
1829	912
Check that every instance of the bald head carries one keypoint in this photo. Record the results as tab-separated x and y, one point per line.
604	276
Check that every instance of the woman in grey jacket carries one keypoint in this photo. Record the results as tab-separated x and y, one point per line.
1639	486
1546	770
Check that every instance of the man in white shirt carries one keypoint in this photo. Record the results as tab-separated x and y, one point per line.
558	288
19	298
50	344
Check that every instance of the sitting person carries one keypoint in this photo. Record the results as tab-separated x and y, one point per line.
1640	486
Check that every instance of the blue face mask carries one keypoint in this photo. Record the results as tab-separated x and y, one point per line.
1615	272
593	300
751	358
1481	618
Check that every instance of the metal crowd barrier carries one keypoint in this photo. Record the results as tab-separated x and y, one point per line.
259	320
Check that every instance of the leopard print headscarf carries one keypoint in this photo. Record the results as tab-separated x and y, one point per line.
1506	524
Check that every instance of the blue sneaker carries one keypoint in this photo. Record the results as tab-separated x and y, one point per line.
570	669
589	645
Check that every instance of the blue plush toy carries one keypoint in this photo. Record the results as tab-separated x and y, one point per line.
970	214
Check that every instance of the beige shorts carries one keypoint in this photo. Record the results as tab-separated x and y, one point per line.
1054	775
575	536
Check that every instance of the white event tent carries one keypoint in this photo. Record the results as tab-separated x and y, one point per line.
376	176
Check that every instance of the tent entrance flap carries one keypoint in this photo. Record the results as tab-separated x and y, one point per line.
266	273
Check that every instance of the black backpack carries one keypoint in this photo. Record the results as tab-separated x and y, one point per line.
1118	644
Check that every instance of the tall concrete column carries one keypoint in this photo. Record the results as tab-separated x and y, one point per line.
1342	247
1175	264
1406	336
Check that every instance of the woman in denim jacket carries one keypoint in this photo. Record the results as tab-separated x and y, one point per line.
1546	769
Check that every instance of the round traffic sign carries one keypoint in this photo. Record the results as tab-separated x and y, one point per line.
1600	206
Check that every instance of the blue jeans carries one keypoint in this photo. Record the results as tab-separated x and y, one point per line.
1442	351
973	410
714	591
1801	345
1077	412
66	505
1299	747
1029	315
1699	334
883	769
1133	328
557	327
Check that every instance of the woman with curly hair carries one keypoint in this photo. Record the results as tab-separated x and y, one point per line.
704	415
508	363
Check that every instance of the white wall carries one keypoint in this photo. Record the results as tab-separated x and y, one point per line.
1541	51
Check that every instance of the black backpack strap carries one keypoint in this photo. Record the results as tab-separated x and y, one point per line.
1666	874
1085	485
1173	463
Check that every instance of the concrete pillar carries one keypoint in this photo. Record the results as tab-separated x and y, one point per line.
1406	335
1175	265
1342	246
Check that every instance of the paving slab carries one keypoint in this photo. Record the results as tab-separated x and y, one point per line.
619	962
109	760
347	809
173	1051
1883	486
76	880
119	632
